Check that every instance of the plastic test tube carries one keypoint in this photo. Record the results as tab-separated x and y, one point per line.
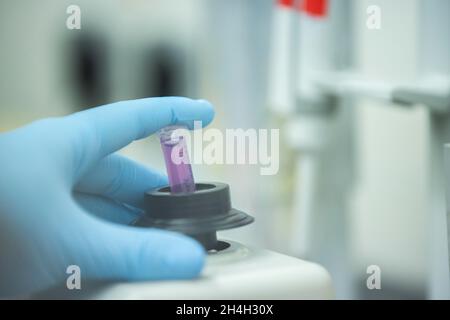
180	175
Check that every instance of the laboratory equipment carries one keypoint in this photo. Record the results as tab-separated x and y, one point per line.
197	210
430	89
319	125
198	214
233	270
237	272
306	44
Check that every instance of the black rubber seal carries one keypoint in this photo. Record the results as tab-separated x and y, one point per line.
199	214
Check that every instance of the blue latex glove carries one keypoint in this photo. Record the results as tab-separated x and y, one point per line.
60	183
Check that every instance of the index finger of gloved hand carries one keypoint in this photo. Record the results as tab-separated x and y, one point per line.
121	179
112	127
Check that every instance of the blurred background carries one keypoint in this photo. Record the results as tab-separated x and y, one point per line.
360	180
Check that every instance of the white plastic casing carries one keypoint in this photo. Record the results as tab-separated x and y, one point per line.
238	272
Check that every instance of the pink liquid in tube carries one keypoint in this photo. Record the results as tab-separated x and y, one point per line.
176	157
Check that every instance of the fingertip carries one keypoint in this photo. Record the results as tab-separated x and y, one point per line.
186	111
209	111
186	258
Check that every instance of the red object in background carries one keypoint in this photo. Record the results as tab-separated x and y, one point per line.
286	3
316	8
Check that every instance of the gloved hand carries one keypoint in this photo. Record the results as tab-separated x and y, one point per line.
60	183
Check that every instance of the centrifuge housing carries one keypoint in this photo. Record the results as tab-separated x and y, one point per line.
199	214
